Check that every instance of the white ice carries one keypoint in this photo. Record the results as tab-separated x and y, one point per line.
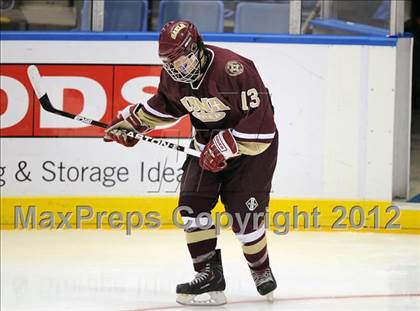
107	270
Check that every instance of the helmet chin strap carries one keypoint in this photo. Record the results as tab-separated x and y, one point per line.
204	61
204	57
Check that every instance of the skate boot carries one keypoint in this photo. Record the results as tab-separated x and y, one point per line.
207	287
265	282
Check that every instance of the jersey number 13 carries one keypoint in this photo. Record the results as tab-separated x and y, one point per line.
250	99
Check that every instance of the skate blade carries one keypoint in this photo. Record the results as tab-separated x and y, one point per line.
205	299
270	296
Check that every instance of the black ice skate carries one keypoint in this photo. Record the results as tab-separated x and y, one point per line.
265	282
207	287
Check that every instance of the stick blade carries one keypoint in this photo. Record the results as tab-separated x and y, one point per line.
36	81
40	90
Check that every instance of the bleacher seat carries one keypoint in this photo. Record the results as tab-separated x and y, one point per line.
383	11
262	17
208	16
84	21
126	15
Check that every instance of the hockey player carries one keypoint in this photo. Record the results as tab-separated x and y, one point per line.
231	112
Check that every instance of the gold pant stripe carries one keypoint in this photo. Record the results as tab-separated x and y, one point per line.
253	249
202	235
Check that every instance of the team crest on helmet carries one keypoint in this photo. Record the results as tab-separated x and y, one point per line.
234	68
175	31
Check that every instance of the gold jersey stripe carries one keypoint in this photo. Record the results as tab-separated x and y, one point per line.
252	148
253	249
202	235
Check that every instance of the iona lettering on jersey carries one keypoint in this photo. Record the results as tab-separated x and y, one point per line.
205	109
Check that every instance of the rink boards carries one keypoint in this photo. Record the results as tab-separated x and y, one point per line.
133	214
341	106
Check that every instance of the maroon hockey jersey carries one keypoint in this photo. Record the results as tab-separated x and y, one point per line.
230	95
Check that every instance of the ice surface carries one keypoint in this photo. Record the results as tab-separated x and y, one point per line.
107	270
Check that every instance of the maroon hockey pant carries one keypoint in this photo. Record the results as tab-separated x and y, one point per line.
244	188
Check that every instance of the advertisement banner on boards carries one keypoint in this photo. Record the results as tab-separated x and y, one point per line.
94	91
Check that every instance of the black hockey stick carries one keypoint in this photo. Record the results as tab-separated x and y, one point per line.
41	93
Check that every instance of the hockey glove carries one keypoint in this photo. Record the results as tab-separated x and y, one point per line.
126	121
221	147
